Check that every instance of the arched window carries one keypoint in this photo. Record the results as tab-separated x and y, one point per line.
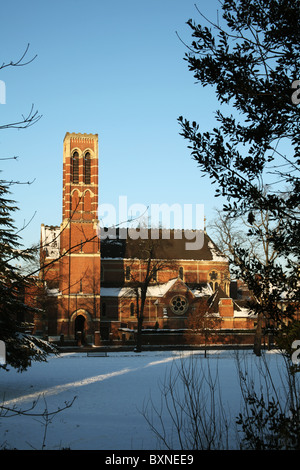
127	273
214	280
103	309
75	168
227	283
87	168
132	309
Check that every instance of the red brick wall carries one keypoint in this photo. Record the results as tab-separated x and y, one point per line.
193	271
226	308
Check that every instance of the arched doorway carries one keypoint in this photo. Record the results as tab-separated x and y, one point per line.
80	327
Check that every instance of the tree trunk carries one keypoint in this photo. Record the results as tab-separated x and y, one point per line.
138	347
258	335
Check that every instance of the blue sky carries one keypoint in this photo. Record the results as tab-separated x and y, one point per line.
114	68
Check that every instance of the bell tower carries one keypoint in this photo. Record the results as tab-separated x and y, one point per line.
79	242
80	177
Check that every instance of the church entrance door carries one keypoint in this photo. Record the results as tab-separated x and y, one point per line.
79	326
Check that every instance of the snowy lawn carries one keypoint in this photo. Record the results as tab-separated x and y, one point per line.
111	393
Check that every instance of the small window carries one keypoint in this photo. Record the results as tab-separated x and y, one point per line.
75	168
181	273
87	168
154	274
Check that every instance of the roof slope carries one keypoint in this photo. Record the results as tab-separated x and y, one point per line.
171	248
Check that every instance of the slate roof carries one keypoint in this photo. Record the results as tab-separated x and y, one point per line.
172	248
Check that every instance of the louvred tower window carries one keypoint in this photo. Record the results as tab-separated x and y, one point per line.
87	168
75	168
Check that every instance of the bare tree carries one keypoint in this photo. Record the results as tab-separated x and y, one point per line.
191	414
201	322
270	415
248	244
46	416
147	275
32	117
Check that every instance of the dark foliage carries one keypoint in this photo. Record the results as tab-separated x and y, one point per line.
252	59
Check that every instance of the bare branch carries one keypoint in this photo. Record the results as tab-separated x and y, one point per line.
27	121
19	62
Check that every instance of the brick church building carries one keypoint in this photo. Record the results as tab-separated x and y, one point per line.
92	285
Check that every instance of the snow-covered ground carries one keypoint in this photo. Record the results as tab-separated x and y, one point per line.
111	393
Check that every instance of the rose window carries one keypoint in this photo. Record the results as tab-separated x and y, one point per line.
179	305
213	275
